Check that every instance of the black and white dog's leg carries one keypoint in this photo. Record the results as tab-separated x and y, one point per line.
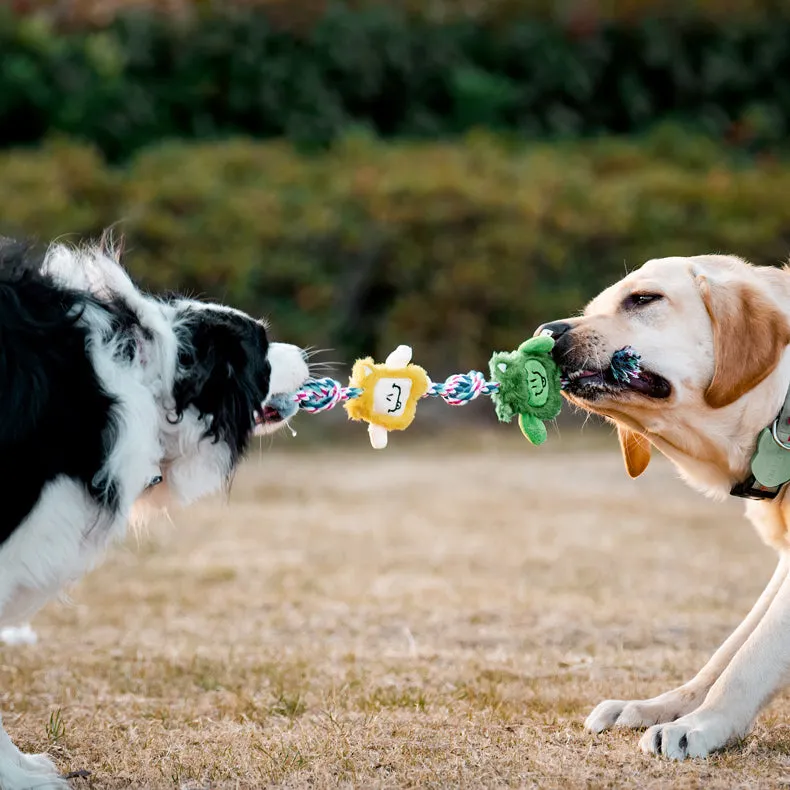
20	771
60	539
22	634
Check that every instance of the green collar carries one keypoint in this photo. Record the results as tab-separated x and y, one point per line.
770	464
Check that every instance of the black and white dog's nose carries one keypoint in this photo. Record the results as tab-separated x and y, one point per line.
555	329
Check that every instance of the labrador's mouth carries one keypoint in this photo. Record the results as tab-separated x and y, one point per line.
624	375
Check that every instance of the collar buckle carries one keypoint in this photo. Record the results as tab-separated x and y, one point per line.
751	489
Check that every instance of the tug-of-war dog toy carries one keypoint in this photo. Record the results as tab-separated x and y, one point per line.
525	383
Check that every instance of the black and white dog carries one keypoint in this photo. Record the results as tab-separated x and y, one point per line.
111	402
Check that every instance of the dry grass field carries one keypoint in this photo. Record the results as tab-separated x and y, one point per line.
428	616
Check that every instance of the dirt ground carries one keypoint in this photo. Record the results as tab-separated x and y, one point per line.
427	616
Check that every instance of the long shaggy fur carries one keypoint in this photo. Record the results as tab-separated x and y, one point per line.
111	402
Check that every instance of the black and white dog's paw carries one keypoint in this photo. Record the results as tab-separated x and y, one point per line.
18	635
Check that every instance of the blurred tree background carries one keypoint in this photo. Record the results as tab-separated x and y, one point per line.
446	173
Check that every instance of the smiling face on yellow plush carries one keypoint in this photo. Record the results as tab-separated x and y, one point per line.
389	396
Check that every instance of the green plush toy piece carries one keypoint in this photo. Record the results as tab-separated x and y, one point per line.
529	386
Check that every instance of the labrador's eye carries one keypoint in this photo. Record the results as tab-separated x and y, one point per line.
640	300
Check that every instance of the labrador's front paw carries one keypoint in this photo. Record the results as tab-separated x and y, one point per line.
696	735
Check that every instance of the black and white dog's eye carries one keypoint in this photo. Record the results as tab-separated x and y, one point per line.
640	300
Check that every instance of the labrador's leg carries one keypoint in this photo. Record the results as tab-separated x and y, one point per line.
757	671
686	698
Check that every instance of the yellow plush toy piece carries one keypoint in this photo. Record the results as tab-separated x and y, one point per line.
390	392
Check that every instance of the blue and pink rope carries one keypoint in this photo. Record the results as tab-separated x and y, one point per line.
323	394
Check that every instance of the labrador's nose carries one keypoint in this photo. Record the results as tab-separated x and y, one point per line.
555	329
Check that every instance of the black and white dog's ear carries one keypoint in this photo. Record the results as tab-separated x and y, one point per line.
223	373
201	366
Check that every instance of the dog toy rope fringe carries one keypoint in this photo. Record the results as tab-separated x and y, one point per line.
524	383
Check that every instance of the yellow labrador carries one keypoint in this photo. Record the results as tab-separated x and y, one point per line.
713	334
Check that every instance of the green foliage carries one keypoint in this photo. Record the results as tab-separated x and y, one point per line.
56	727
301	14
456	249
226	71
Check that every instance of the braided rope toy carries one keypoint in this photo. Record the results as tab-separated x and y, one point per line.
524	383
323	394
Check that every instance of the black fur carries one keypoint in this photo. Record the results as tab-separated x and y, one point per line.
126	328
55	419
224	372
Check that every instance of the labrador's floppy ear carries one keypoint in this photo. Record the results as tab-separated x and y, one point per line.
635	449
749	336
